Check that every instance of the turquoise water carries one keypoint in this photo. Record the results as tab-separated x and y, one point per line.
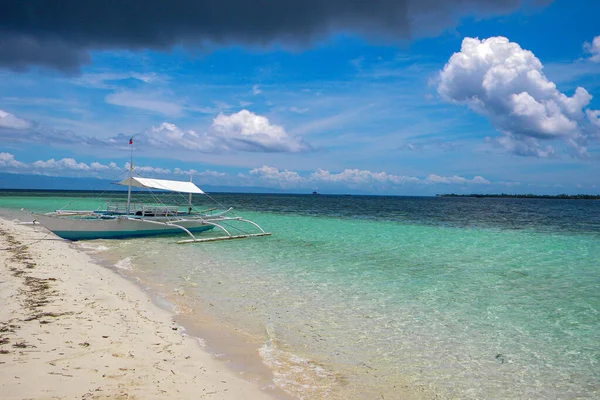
363	297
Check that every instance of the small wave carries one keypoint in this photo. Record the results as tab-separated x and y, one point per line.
124	264
298	376
91	247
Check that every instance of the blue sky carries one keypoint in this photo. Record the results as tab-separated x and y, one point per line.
342	111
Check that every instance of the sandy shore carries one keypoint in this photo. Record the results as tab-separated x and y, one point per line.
70	328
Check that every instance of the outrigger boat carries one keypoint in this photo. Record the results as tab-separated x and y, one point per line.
121	220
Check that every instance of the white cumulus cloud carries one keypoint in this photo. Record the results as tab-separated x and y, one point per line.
247	131
505	83
65	163
241	131
284	179
69	166
7	160
171	136
593	48
152	170
96	166
594	117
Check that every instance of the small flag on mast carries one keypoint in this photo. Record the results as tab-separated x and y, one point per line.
131	140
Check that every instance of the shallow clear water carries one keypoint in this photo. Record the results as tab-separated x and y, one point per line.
365	296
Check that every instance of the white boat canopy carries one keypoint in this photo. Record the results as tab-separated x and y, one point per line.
162	184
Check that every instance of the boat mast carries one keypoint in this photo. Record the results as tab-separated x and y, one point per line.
190	199
130	175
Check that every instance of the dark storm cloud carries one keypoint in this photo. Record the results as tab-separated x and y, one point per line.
59	34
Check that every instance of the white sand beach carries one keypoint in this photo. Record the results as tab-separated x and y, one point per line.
70	328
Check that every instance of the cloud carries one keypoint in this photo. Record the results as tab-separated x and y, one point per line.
8	161
96	166
353	178
149	169
479	180
144	101
109	80
52	167
61	35
204	110
9	121
66	164
283	178
360	177
256	90
298	110
207	173
430	145
594	117
221	105
241	131
523	146
168	135
71	167
16	130
265	175
21	50
500	80
247	131
593	48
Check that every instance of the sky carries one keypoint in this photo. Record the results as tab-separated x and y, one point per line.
406	97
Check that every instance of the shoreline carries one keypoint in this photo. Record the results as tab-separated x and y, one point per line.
79	329
276	371
238	350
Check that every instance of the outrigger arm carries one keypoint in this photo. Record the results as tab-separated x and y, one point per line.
213	239
229	235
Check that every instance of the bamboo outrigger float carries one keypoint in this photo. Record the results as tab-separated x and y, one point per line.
137	220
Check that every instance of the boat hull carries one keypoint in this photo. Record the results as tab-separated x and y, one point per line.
117	228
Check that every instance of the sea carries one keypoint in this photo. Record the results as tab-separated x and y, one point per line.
375	297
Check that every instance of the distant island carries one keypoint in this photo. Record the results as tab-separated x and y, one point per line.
527	196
